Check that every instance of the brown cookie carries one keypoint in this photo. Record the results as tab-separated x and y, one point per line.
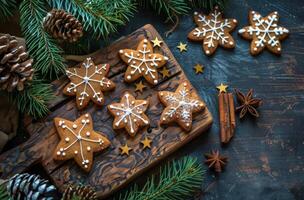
180	105
213	30
88	82
142	62
129	113
78	140
264	32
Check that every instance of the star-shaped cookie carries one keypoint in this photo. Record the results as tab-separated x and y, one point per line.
264	32
142	62
88	82
213	30
129	113
180	105
78	140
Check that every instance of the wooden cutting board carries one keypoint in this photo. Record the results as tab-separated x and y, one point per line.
110	170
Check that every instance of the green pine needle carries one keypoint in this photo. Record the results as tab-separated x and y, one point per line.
178	180
3	193
33	99
6	8
101	17
207	4
42	48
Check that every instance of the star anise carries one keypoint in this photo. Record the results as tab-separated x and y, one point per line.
215	160
247	103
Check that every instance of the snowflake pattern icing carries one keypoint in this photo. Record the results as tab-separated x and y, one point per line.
88	82
180	105
142	62
79	141
213	30
264	32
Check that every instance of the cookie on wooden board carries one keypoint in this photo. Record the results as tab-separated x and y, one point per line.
213	30
264	32
129	113
180	105
78	140
88	82
142	62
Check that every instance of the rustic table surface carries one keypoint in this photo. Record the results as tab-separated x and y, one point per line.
266	154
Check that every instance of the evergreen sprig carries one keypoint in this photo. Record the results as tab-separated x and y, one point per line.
6	8
101	17
3	193
33	100
177	180
42	48
207	4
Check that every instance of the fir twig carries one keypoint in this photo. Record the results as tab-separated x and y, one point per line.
33	100
98	16
178	180
42	48
6	8
3	193
207	4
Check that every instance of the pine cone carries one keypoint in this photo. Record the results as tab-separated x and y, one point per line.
63	26
31	187
82	192
15	64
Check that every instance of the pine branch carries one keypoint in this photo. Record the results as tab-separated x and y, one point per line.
178	180
42	48
3	193
6	8
207	4
99	16
33	99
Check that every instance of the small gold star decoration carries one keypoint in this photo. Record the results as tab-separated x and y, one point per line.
182	47
146	143
222	88
156	42
199	69
125	149
139	86
165	72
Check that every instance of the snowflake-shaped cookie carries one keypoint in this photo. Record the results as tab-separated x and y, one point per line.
213	30
129	113
78	140
180	105
88	82
142	62
264	32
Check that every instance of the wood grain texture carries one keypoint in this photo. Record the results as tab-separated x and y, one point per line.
110	170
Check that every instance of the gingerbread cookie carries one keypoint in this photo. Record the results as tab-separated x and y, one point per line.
180	105
142	62
88	82
129	114
264	32
213	30
78	140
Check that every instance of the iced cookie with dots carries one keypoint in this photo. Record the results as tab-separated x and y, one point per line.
78	140
264	32
129	113
180	105
142	62
213	31
88	82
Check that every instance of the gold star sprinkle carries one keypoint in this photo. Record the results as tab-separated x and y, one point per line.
125	150
139	86
182	47
146	143
156	42
222	88
165	72
199	68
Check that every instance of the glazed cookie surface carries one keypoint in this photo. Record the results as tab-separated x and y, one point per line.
142	62
213	30
264	32
78	140
180	105
129	113
88	82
